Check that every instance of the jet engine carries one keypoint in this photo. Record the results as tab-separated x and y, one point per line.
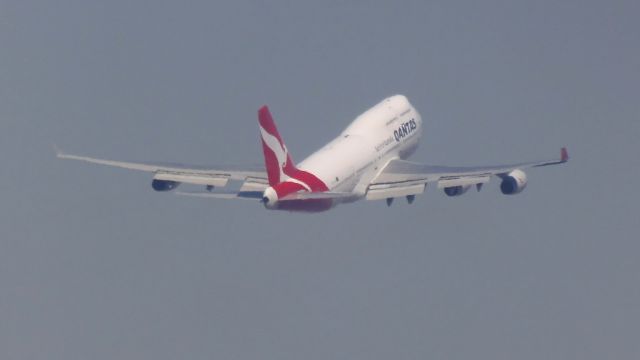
456	190
514	182
164	185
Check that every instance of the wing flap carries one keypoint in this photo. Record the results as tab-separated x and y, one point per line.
193	178
385	191
463	181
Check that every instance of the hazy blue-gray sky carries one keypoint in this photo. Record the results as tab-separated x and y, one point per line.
95	265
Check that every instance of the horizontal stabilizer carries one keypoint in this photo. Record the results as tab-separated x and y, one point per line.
246	195
318	195
254	184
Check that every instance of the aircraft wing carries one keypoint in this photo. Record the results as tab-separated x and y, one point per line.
169	175
401	178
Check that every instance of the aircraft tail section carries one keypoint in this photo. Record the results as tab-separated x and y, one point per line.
277	160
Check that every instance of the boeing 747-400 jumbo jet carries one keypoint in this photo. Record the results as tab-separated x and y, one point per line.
366	161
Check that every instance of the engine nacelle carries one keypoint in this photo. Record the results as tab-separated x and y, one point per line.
164	185
456	190
514	182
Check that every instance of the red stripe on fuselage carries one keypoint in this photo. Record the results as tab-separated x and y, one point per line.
285	188
315	184
311	205
288	187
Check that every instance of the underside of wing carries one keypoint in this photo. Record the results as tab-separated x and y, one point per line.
402	178
167	176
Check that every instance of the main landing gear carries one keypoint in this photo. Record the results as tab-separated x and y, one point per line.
410	199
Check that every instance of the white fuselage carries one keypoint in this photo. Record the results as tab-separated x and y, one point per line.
389	130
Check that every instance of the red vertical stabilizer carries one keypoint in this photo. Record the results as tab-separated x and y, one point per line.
276	156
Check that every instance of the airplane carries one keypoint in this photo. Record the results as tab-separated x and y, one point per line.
366	161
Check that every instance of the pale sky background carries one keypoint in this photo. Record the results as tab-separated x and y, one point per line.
95	265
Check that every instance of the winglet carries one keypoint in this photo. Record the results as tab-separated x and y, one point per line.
59	152
564	155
